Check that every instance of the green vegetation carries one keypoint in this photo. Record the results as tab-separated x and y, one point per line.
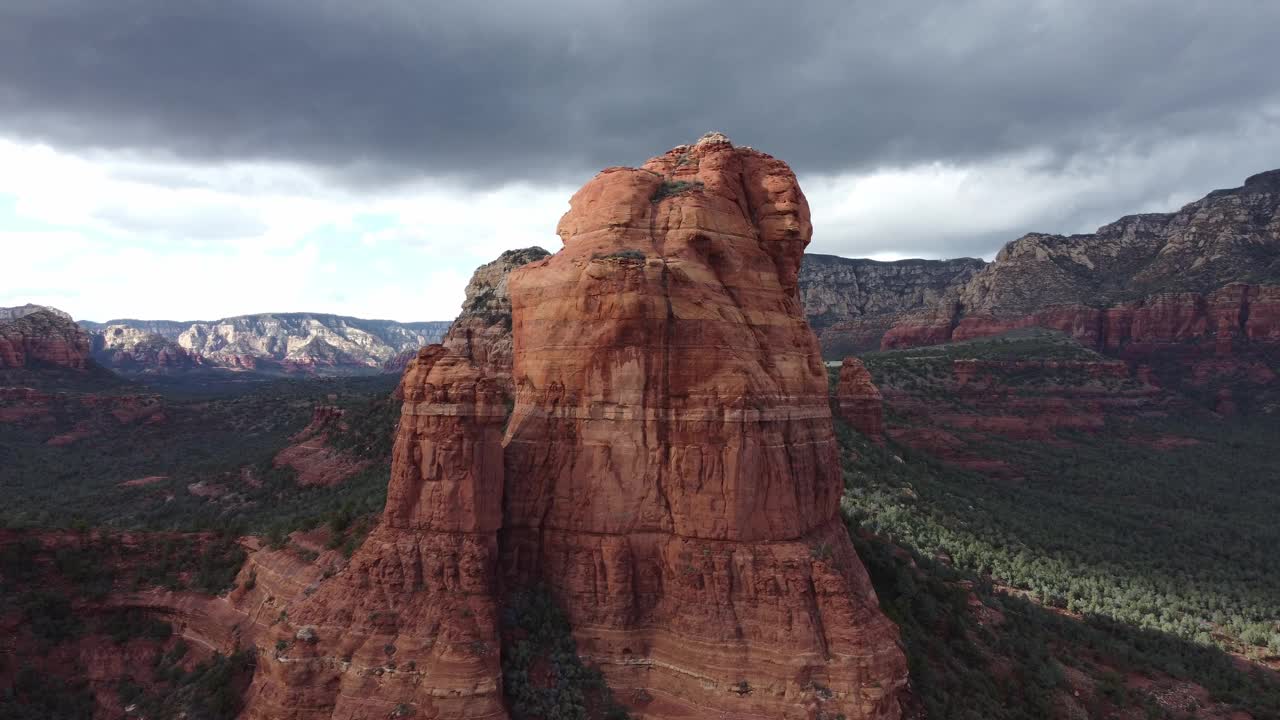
626	255
925	371
1111	558
131	624
47	577
671	188
542	675
212	690
207	464
36	695
54	590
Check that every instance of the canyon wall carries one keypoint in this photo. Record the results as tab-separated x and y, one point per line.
1207	275
852	302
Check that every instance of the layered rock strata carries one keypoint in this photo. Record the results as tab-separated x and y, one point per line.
1208	273
672	471
852	302
409	627
859	400
42	338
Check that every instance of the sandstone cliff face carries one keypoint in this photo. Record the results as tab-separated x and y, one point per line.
859	400
1208	274
851	303
42	338
482	330
409	627
672	472
133	349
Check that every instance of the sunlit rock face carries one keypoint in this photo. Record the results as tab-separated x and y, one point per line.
672	472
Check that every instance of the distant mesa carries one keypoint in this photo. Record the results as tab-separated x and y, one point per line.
307	343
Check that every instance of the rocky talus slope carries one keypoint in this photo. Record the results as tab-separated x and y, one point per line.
288	342
672	471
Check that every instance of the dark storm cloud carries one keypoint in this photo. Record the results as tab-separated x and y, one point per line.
378	91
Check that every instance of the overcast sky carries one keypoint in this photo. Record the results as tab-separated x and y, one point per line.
192	160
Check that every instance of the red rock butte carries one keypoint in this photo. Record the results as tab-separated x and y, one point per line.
669	473
672	470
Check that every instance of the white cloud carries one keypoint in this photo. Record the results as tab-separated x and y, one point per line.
114	236
945	210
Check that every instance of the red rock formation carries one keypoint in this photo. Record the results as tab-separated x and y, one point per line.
46	338
409	627
92	412
943	413
19	404
860	402
672	471
1212	335
309	453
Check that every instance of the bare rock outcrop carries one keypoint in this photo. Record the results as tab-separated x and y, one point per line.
669	473
852	302
859	400
672	470
42	338
410	627
1208	274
